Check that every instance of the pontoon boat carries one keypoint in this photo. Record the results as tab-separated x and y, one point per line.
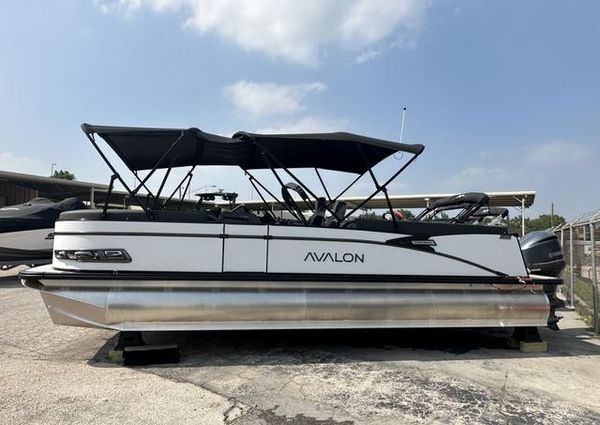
172	269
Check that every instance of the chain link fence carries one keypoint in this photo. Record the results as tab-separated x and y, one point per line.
580	241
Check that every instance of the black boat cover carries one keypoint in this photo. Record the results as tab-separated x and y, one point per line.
143	148
39	213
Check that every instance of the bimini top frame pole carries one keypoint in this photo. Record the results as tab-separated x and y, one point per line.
383	187
155	148
115	175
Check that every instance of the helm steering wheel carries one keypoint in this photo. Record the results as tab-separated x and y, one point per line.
291	203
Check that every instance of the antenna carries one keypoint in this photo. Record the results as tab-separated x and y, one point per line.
402	125
401	135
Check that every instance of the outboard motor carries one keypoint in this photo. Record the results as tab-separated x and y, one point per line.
543	256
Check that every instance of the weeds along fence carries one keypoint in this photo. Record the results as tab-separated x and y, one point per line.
580	241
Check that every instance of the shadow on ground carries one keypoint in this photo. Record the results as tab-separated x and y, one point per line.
288	347
9	281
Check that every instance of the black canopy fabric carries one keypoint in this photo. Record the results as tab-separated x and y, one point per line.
143	148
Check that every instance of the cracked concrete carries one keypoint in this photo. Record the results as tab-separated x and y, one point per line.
52	374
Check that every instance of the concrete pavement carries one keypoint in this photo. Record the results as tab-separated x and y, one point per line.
55	375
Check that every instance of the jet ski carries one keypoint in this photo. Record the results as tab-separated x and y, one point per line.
26	230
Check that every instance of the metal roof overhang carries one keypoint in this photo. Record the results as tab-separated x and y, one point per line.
67	188
57	189
50	184
497	199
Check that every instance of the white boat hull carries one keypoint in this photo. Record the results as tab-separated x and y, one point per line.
216	248
185	276
26	247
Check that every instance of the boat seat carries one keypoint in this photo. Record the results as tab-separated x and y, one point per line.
171	216
319	215
239	217
339	211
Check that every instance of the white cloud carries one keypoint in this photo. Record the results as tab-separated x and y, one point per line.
533	166
298	31
556	152
123	7
23	164
268	99
368	55
308	125
540	154
477	177
373	51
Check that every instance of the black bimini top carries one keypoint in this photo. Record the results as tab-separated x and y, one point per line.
143	148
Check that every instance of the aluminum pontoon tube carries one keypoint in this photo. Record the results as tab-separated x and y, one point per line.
180	308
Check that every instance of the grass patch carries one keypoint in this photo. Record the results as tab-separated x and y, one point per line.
584	296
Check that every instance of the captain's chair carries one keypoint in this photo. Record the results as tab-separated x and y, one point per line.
339	211
319	215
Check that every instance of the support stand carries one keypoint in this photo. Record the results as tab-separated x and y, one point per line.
555	303
528	340
131	349
130	339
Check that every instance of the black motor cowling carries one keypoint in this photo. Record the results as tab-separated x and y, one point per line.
543	256
542	253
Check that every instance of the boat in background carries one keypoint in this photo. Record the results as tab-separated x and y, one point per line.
230	268
26	230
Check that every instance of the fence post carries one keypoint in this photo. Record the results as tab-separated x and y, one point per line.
562	247
571	271
594	278
562	239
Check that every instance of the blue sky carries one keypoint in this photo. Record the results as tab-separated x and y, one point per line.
505	95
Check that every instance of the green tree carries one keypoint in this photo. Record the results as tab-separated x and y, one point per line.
63	174
545	221
542	222
371	215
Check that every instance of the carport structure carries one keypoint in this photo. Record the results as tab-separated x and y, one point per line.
16	188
